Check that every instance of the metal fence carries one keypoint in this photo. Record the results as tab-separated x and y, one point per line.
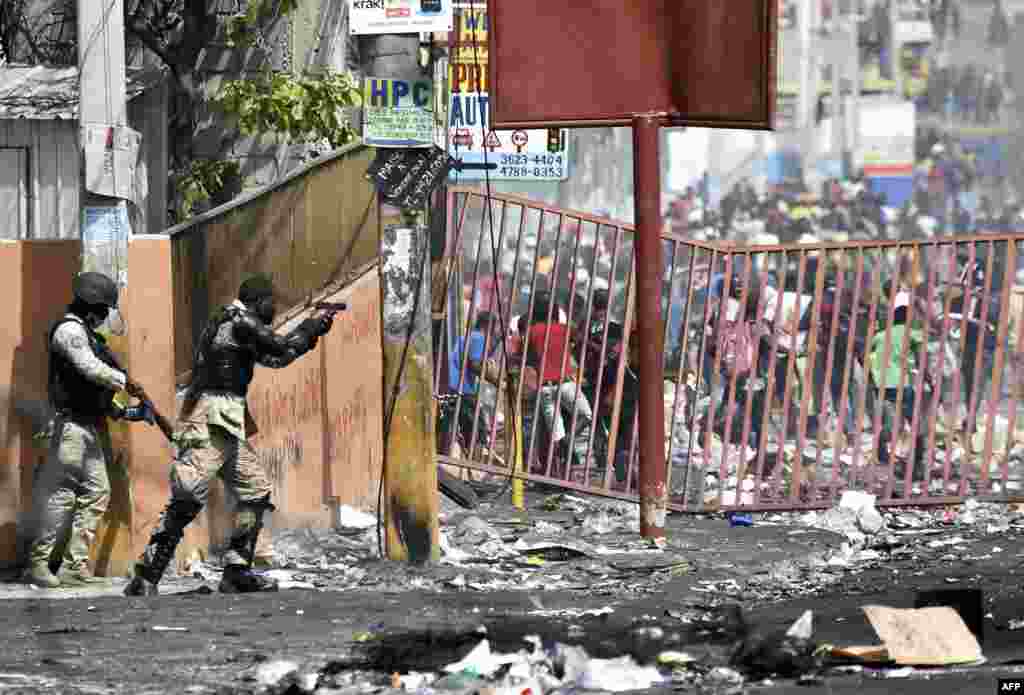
793	373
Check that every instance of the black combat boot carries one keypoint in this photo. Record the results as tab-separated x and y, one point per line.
239	579
160	550
140	586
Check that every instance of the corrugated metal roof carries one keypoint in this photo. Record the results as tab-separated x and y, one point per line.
44	93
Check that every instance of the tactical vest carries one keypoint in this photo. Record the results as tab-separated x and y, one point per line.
222	367
70	392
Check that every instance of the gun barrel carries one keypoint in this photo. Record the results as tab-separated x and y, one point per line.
330	306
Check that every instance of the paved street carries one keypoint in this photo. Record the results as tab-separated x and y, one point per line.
775	570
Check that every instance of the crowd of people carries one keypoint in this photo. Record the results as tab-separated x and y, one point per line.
969	93
876	357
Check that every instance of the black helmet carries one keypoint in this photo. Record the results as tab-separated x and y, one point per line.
95	288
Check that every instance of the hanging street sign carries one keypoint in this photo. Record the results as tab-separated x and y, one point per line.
399	16
524	155
398	113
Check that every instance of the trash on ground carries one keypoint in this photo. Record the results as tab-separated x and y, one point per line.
869	654
786	653
481	661
933	636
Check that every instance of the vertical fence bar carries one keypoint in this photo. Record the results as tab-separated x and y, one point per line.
564	361
599	388
512	404
584	351
793	331
923	376
482	377
553	310
777	317
531	450
826	388
627	328
972	415
807	387
997	372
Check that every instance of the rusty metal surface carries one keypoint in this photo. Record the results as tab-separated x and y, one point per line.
571	79
939	322
648	258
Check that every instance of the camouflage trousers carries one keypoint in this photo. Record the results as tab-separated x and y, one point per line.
71	493
207	451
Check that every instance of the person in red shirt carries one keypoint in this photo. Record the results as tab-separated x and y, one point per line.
549	351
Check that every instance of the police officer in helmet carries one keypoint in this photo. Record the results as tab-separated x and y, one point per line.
212	435
73	489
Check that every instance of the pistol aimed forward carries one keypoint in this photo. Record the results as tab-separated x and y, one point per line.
330	307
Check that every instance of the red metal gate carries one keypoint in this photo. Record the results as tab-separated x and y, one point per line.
793	372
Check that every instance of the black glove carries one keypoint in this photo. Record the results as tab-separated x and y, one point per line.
325	322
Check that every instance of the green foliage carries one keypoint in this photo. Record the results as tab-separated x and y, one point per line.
205	179
241	27
304	109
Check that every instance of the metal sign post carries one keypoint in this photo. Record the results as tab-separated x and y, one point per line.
648	271
670	66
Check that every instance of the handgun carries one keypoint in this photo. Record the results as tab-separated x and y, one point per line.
330	307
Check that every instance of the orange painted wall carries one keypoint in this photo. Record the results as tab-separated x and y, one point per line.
319	419
35	282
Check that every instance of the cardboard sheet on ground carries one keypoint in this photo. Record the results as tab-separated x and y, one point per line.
934	636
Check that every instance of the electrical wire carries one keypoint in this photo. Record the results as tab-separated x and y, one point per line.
511	406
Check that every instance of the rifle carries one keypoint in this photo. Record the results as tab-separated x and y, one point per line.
156	417
138	392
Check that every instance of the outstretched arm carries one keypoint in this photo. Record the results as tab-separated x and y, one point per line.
275	350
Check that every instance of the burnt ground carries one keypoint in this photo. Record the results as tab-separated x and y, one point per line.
110	644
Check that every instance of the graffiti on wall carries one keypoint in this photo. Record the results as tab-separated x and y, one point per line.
358	325
273	407
276	459
352	442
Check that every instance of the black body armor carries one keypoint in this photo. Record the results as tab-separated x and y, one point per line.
69	391
236	340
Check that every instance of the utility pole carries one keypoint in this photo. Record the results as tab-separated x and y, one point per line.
895	48
853	113
410	499
101	62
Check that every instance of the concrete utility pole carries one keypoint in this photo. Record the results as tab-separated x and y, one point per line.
410	500
101	62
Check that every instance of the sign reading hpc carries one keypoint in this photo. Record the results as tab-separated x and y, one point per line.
398	113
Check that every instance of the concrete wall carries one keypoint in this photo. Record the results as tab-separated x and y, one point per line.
319	420
316	227
31	306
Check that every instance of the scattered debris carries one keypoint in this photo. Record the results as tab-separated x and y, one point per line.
788	653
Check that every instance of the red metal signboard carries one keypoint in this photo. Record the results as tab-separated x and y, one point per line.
598	62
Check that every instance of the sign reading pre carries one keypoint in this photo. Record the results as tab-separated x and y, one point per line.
525	155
